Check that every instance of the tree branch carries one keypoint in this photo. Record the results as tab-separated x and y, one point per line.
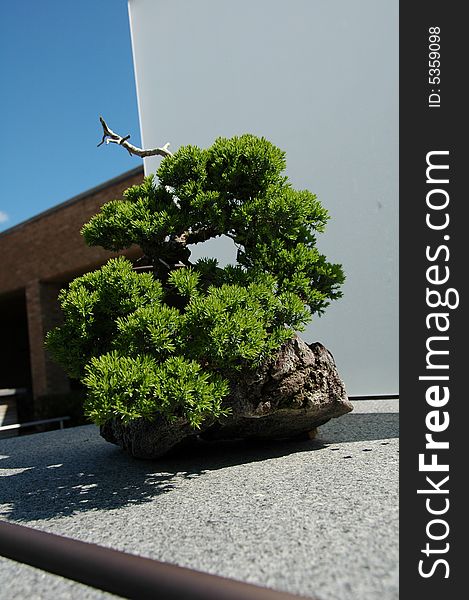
194	237
110	137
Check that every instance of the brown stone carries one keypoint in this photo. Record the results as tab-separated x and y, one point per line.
145	439
294	392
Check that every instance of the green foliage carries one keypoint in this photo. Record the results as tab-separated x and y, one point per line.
92	305
185	281
151	329
134	387
232	327
165	342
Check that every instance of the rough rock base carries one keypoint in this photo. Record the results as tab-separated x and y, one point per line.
296	391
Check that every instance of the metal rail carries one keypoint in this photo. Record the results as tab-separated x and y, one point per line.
32	423
6	392
122	574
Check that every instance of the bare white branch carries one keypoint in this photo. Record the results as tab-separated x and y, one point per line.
110	137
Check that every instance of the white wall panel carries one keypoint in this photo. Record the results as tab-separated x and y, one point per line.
318	78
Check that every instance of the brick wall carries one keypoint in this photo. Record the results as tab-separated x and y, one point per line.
50	247
40	256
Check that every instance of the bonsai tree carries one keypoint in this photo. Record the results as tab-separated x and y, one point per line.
165	340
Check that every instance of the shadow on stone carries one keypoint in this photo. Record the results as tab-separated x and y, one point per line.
50	479
360	427
46	484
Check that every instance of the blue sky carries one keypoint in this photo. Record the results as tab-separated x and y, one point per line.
63	63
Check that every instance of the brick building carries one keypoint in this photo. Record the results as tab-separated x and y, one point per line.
39	257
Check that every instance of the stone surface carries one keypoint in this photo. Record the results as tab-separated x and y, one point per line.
319	518
290	395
